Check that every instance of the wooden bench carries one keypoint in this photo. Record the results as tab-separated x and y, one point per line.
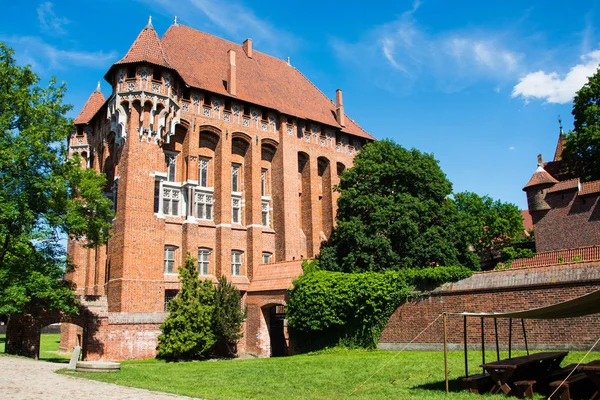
524	389
479	384
564	393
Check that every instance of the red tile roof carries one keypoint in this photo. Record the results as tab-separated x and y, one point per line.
565	185
201	59
146	47
275	276
540	177
589	188
91	107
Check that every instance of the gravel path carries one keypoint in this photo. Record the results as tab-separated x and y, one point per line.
22	378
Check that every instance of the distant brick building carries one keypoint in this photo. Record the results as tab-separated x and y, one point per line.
214	149
565	211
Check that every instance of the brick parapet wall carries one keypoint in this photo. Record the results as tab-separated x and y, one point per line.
499	292
585	254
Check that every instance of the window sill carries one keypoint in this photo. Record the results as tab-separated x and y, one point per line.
169	219
269	230
205	223
238	227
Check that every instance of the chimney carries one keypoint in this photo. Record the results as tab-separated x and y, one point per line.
247	46
339	110
231	79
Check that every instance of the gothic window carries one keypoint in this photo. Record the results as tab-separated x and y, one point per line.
171	199
263	182
204	205
171	161
203	172
235	177
266	219
236	210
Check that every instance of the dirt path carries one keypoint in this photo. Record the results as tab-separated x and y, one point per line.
21	379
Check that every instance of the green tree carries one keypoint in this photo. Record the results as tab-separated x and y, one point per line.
187	332
581	154
488	225
43	196
228	316
394	212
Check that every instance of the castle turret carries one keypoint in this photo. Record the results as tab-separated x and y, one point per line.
537	188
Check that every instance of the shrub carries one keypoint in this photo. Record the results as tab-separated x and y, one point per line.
187	333
334	308
227	317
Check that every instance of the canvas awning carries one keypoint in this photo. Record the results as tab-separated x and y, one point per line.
577	307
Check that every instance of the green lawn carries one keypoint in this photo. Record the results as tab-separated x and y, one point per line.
324	375
48	348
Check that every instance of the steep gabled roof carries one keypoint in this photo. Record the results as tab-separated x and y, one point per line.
201	60
540	177
146	48
91	107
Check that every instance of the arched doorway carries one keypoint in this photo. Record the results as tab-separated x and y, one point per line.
276	325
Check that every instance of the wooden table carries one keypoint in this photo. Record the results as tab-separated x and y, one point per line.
531	367
592	369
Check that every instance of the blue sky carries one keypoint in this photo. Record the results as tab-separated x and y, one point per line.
479	84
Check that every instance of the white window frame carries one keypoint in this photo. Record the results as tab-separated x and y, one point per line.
204	204
267	257
204	260
237	259
263	182
203	164
169	263
266	212
235	177
171	161
236	209
170	195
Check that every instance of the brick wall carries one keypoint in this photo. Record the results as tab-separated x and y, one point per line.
500	291
572	221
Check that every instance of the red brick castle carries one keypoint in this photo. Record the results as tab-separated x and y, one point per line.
214	149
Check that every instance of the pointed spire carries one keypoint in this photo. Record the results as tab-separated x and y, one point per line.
560	144
146	47
91	107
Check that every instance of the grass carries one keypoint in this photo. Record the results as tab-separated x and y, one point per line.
323	375
48	348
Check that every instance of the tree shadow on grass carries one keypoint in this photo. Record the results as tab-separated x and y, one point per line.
454	385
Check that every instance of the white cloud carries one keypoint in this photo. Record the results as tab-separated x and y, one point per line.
43	56
49	21
554	88
233	18
451	60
